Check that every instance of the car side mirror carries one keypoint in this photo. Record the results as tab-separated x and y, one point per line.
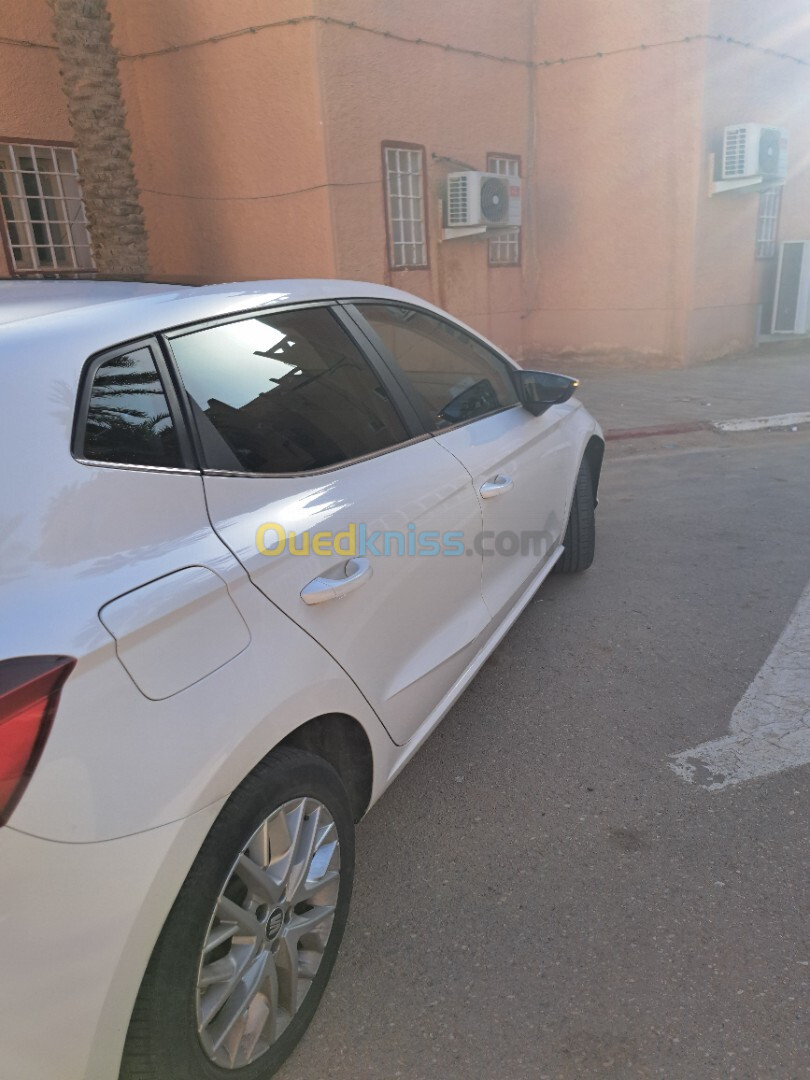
539	390
475	400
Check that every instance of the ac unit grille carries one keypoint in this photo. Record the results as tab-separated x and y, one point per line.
457	200
734	152
495	200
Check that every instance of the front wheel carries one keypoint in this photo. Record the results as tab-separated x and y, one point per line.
247	949
580	534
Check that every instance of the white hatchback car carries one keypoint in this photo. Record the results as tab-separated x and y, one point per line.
256	540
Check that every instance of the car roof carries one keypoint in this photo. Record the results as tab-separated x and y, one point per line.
21	300
161	306
88	317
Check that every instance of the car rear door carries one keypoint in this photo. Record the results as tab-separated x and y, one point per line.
522	466
319	480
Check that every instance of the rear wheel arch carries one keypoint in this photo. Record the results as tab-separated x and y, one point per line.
342	742
594	456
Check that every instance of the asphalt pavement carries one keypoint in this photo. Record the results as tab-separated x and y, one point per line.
625	396
540	895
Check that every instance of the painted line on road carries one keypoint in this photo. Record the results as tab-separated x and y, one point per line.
770	725
757	423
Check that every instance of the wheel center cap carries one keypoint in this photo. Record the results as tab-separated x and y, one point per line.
274	923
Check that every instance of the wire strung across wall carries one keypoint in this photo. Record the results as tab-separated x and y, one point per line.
329	20
425	42
448	47
25	44
261	198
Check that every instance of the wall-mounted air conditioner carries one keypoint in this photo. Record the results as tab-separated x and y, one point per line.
481	199
791	305
754	150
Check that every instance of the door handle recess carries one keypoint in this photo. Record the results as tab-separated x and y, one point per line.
356	573
499	486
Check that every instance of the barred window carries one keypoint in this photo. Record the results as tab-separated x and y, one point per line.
504	249
768	222
405	205
43	211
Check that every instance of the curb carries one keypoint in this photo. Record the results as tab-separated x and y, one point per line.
661	429
761	423
754	423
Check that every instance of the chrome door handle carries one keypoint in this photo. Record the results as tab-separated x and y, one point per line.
499	486
357	572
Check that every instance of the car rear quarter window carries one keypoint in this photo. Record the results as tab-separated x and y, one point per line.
284	393
128	421
455	376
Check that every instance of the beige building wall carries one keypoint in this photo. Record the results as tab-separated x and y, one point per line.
259	155
32	105
225	138
618	154
460	108
745	85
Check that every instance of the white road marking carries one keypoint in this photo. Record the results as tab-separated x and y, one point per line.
770	725
757	423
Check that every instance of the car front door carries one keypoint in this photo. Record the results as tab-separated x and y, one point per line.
321	483
522	466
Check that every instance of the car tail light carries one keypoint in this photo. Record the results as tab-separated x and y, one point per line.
29	693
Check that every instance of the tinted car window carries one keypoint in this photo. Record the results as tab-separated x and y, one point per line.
128	420
456	377
284	393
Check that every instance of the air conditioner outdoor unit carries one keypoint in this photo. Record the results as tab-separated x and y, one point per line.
483	199
791	305
754	150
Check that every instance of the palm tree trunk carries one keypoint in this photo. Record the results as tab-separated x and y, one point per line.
89	68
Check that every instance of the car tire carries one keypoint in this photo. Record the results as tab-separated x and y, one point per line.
579	542
292	795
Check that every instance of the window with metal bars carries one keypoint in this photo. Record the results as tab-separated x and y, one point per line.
404	167
504	249
768	222
43	212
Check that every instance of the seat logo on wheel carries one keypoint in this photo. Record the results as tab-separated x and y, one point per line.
274	923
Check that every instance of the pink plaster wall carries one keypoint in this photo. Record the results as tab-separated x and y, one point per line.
617	166
259	156
746	86
456	106
32	105
221	133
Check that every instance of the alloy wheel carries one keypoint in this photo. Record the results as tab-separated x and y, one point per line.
268	932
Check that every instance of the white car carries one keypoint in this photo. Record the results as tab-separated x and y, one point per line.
256	540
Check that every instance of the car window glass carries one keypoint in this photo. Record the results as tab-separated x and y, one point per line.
128	420
456	377
284	393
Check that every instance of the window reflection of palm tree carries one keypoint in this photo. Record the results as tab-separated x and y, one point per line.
117	418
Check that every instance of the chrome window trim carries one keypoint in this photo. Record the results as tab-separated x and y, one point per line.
185	471
318	472
475	419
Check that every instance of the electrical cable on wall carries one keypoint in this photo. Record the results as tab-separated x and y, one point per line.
261	198
347	24
328	20
446	47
